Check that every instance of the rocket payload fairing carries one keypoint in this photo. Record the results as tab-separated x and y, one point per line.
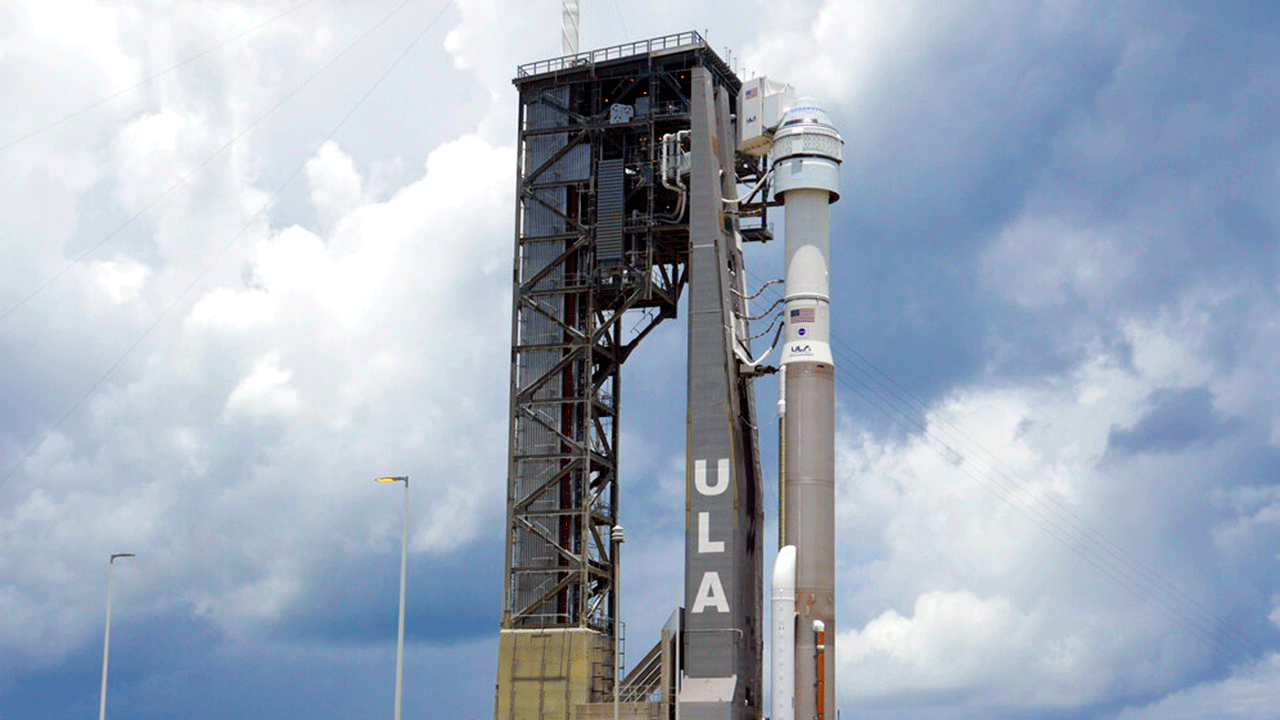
806	167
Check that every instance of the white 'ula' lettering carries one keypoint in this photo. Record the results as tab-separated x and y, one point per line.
710	594
705	543
700	477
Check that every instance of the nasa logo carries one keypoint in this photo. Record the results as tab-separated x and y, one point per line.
801	332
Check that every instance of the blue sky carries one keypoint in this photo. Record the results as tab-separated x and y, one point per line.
256	277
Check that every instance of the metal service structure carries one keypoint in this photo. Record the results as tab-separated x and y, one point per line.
629	163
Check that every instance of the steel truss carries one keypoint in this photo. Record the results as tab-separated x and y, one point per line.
602	257
597	235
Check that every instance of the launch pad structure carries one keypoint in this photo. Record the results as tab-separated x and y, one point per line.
625	159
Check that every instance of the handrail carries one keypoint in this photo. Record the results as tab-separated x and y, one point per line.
591	57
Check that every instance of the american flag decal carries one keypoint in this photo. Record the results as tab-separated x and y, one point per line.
751	92
802	315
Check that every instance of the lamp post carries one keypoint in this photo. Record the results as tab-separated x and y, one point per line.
404	550
106	637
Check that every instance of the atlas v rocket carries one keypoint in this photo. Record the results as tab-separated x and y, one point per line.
806	155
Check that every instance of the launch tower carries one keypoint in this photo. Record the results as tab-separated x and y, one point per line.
625	156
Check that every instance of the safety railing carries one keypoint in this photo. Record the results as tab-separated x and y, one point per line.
638	47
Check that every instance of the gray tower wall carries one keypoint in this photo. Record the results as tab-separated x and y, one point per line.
724	517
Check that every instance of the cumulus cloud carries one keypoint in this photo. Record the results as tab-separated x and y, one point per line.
308	359
946	644
1250	695
266	390
1026	565
336	186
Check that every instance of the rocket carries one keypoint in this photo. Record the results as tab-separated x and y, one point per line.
806	154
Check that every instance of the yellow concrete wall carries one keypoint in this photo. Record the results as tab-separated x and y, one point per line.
546	674
626	711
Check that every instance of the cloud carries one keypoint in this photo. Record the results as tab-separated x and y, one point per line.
120	279
248	425
1249	695
180	663
264	391
1039	262
1178	418
945	644
1068	577
456	597
336	187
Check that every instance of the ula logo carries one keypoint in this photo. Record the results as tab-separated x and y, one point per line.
801	349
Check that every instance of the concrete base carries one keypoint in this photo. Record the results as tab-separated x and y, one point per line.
626	711
547	674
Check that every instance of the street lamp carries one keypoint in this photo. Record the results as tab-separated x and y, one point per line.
106	638
404	550
618	538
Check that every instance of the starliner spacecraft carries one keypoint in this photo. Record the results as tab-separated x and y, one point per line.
631	165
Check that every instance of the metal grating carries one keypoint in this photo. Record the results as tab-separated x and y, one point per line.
610	212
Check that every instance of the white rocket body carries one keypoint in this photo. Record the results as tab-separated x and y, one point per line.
806	156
